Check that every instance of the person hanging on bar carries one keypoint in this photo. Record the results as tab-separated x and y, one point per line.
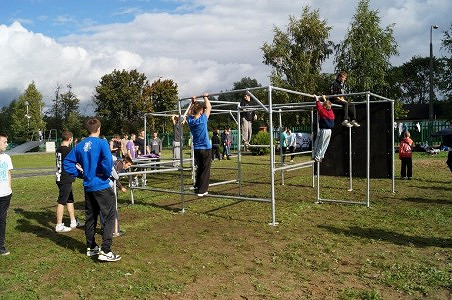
198	117
337	88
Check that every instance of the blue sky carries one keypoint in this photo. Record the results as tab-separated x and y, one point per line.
203	45
58	18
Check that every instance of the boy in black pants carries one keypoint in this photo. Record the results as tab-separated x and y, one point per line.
64	182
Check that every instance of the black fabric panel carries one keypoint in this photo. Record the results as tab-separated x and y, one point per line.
336	161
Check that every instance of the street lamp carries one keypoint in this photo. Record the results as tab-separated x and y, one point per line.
430	107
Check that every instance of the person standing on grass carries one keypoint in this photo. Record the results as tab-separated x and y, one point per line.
197	121
64	182
406	156
5	189
284	142
326	124
292	143
215	145
95	160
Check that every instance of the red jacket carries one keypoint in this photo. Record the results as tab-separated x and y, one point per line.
406	148
326	116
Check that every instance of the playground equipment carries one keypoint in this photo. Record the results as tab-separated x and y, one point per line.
270	108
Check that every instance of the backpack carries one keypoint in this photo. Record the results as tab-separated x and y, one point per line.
405	150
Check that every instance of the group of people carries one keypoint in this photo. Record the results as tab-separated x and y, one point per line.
135	145
225	141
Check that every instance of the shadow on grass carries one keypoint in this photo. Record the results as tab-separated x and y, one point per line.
427	201
391	236
46	229
435	188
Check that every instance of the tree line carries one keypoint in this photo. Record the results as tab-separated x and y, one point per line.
295	56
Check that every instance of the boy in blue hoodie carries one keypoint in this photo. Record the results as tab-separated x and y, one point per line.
91	160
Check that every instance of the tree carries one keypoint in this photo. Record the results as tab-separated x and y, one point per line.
6	119
120	101
365	52
163	95
296	54
25	125
64	113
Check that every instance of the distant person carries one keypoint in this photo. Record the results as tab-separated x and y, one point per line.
226	141
139	142
283	143
215	145
326	124
406	156
131	148
115	146
176	141
64	182
156	146
40	135
197	121
6	192
337	88
247	117
95	161
292	143
124	141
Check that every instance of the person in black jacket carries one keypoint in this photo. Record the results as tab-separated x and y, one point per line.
215	145
337	88
247	116
64	183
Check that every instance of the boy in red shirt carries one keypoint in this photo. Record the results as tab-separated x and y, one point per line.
326	123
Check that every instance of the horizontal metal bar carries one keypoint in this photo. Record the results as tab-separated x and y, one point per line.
227	92
156	190
293	166
342	201
291	92
297	168
150	172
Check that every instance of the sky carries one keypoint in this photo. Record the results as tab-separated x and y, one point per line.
203	45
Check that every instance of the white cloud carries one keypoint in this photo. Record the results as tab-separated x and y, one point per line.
204	45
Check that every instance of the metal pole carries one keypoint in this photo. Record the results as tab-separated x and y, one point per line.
318	183
430	106
181	159
350	170
392	147
312	144
239	148
272	157
280	146
368	148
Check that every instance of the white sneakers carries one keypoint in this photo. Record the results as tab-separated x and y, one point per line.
76	224
62	228
92	251
110	256
349	124
201	195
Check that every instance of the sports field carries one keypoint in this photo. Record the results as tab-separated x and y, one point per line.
399	248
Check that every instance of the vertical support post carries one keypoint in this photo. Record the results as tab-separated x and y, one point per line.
368	148
350	157
239	148
143	178
312	146
272	156
392	147
131	190
280	146
318	183
192	153
181	159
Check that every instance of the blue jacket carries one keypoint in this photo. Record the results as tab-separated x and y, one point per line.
94	155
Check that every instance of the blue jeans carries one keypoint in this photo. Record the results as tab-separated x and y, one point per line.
4	205
321	142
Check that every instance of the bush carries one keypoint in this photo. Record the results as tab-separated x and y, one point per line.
261	138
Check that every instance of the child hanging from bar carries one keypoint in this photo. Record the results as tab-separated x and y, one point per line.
326	123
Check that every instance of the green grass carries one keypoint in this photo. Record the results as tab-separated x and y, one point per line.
400	247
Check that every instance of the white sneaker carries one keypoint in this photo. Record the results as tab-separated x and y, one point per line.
110	256
62	228
346	123
201	195
92	251
76	224
354	123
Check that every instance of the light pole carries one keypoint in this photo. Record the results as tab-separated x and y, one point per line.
28	118
430	107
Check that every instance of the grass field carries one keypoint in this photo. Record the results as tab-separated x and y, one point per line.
399	248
